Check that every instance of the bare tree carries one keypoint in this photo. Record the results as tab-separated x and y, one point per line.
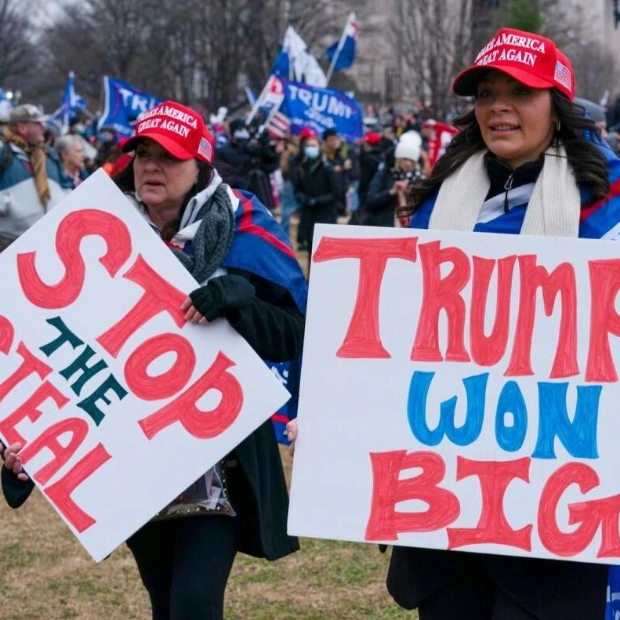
433	40
17	54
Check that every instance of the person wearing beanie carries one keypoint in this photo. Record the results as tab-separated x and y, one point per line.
390	184
316	187
527	160
249	277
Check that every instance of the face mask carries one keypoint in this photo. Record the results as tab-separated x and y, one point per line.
311	152
79	128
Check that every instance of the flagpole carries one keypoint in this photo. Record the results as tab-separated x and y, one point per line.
257	103
343	38
271	114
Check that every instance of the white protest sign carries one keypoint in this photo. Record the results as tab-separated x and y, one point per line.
460	391
119	403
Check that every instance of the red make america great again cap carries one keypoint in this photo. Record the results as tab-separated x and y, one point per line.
528	58
176	128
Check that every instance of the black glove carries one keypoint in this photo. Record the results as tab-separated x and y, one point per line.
222	294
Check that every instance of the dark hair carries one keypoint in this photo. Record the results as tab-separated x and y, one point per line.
577	134
126	182
328	133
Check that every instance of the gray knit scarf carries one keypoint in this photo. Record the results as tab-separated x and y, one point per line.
212	240
208	221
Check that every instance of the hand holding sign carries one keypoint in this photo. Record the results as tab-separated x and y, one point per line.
481	377
102	380
12	460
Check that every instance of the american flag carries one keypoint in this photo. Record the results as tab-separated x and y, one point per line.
278	125
563	76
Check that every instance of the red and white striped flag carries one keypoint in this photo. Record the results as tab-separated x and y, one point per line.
278	125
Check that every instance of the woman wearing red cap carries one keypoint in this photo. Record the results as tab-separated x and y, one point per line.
249	276
526	161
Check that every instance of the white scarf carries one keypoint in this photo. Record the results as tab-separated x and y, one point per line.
553	210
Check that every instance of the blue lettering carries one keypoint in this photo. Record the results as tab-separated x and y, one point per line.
475	389
511	438
578	436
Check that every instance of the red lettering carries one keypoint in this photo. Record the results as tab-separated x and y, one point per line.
562	281
363	339
551	537
29	366
441	294
60	492
159	296
604	319
385	522
30	410
7	334
166	384
71	231
493	527
201	424
49	439
604	511
489	350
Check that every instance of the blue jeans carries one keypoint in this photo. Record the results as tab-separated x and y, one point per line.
354	200
289	204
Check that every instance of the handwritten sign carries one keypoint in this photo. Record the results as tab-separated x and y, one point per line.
119	403
460	391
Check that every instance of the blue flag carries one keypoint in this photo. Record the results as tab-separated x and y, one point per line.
281	66
70	104
342	53
321	109
123	104
612	611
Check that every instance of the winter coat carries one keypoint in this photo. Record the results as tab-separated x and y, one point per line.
319	193
20	206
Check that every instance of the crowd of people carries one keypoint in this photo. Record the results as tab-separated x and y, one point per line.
499	173
319	178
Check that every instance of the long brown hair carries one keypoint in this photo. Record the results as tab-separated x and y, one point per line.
577	134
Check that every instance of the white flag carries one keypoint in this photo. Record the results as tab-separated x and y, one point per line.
305	67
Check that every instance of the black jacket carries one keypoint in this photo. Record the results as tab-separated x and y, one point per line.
248	165
379	206
319	193
542	587
369	164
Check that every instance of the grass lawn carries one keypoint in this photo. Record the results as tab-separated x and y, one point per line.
46	575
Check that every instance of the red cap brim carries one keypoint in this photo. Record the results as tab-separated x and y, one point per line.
166	143
466	82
